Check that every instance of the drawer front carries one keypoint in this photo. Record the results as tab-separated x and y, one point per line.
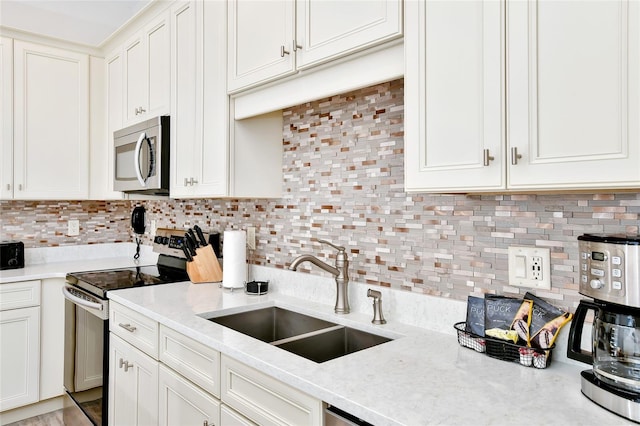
265	400
134	328
19	295
193	360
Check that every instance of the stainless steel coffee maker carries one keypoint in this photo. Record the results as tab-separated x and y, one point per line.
610	274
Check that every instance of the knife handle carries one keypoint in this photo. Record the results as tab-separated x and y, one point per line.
194	240
186	253
203	240
190	244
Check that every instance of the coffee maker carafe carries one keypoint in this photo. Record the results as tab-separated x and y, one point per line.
609	273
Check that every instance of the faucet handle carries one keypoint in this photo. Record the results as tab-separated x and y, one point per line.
339	248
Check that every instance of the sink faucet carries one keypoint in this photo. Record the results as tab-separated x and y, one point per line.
339	271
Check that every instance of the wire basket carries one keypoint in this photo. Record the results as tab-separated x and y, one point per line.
501	349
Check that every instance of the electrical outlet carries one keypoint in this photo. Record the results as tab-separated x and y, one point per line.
536	268
251	237
153	227
73	227
530	267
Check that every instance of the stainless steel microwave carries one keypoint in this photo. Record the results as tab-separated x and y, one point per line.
142	157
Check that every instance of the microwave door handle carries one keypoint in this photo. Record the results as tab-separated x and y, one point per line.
136	158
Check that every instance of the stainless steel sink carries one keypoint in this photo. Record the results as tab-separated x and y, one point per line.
309	337
272	324
333	344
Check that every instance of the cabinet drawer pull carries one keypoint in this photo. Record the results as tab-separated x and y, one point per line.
128	327
487	158
283	52
125	364
515	156
205	423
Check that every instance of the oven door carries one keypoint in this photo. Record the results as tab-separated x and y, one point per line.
86	351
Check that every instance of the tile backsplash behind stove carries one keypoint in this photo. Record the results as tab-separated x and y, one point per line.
343	181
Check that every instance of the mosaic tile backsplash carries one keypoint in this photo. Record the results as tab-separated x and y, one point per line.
343	181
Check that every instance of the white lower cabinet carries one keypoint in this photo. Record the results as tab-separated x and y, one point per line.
264	399
133	385
185	382
19	357
183	403
19	344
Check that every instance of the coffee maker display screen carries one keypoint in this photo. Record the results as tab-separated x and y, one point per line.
597	255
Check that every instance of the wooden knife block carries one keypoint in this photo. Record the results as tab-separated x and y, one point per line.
205	267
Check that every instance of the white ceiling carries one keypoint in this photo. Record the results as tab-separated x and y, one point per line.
88	22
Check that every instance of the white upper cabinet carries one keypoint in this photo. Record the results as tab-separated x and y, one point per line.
522	96
6	117
51	123
573	94
453	93
211	156
198	100
261	37
269	40
329	28
147	71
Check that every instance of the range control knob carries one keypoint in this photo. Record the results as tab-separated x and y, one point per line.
595	284
157	239
165	240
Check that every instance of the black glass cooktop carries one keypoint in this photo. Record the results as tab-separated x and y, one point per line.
100	282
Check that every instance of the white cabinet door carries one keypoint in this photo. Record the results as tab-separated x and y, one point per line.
573	93
453	92
19	357
327	29
229	417
6	118
51	123
199	102
133	385
146	62
261	41
102	156
52	333
183	403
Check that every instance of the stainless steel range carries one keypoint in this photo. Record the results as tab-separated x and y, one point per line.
86	369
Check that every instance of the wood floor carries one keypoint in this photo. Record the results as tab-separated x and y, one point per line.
49	419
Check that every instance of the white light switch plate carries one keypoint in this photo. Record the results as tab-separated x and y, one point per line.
73	227
530	267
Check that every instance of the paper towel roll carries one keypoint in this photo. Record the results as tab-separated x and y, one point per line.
234	263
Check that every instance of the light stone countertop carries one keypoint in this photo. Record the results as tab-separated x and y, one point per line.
422	377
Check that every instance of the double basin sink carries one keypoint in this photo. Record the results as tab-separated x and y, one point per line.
309	337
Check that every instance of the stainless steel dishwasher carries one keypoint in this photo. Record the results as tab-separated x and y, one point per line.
334	416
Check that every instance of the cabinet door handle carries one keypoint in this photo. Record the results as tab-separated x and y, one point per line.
19	187
125	364
487	158
128	327
8	187
283	52
296	46
205	423
515	156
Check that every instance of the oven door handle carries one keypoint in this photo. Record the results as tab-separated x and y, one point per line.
80	301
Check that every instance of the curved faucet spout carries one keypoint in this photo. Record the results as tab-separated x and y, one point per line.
319	263
340	272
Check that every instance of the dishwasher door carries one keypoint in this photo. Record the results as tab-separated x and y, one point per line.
334	416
